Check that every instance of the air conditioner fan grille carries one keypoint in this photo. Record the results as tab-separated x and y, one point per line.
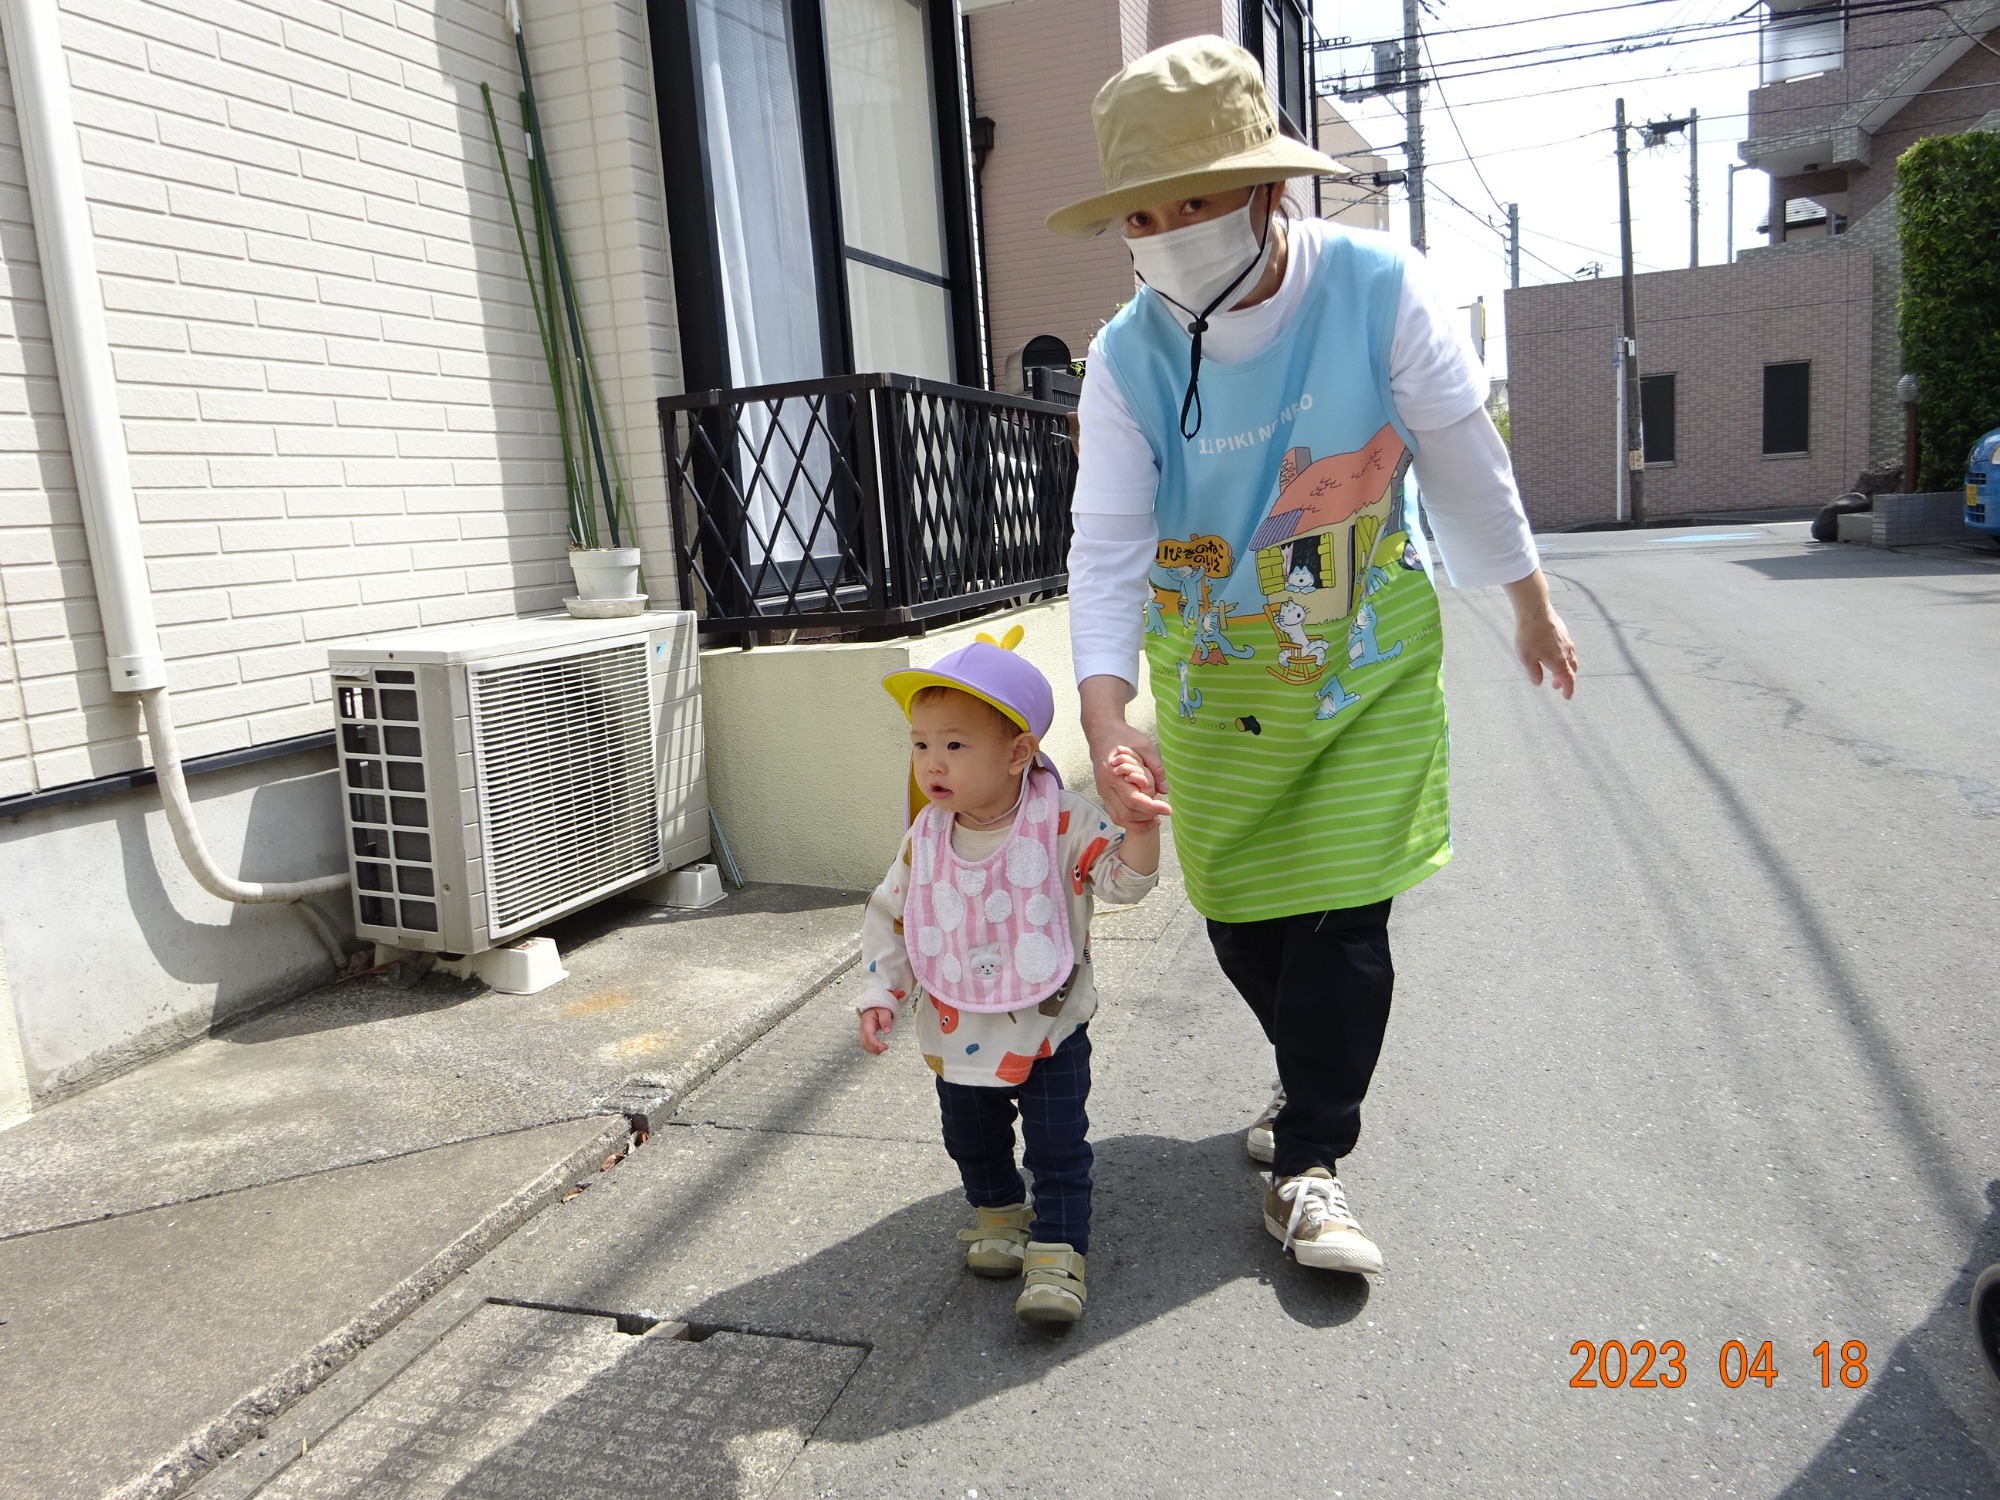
564	751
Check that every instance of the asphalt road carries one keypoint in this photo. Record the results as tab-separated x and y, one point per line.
1695	1042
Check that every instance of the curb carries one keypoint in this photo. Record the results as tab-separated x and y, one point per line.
209	1444
640	1103
646	1099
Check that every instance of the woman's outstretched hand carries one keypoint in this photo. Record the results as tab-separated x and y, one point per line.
1541	639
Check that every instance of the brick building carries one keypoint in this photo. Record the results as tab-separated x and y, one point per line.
1705	338
1769	382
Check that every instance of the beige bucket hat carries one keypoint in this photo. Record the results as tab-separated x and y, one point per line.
1188	118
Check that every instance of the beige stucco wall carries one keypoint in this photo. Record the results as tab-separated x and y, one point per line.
808	759
13	1069
1036	67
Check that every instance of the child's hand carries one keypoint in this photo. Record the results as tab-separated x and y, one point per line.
1125	765
876	1023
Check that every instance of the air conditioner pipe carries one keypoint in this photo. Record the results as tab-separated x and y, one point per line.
54	169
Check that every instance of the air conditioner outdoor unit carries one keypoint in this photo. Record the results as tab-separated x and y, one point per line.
501	773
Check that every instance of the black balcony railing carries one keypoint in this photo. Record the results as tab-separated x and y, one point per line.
864	502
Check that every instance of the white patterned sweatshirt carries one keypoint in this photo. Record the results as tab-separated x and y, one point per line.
995	1049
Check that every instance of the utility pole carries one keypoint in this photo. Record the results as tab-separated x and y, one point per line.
1694	195
1635	445
1413	113
1513	244
1729	243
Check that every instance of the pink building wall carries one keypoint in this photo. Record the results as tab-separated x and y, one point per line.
1036	67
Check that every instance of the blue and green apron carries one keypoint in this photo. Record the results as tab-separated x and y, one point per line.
1292	630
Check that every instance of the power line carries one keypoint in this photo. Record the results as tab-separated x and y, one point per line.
1678	73
1722	28
1526	58
1463	144
1568	140
1563	15
1487	225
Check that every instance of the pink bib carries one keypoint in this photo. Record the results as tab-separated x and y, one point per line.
991	936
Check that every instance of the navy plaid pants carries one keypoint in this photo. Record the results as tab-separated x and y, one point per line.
979	1134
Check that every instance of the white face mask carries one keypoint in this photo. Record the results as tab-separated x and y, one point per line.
1217	258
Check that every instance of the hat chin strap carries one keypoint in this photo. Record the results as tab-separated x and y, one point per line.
1008	815
1191	402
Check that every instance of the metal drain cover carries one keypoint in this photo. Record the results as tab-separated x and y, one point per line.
519	1402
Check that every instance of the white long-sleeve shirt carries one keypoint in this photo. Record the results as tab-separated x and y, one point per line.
1463	471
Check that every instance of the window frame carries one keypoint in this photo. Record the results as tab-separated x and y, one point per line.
1649	428
1297	117
1805	411
688	189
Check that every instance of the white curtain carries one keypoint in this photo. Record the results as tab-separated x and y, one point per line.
886	142
770	286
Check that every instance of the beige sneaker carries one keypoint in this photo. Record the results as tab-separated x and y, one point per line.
1310	1214
1052	1285
1259	1140
996	1244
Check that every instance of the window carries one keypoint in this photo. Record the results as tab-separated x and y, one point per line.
1277	33
756	170
1800	38
820	220
818	196
1656	417
886	139
1787	403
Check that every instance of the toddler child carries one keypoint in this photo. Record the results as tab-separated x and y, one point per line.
983	924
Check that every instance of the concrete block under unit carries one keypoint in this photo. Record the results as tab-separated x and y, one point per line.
1913	520
1857	526
693	886
526	966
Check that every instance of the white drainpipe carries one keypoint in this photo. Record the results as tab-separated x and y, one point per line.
97	439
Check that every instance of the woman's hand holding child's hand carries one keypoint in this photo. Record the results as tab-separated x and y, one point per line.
876	1023
1126	771
1125	766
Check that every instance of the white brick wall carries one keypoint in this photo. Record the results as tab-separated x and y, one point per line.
334	397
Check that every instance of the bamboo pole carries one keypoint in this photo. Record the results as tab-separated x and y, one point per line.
582	529
539	164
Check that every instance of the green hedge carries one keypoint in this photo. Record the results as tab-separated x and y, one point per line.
1948	212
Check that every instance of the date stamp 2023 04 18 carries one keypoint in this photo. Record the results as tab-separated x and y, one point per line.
1643	1365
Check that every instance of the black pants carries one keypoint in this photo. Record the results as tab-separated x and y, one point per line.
1319	985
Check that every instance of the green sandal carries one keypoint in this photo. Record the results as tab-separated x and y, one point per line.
994	1246
1052	1285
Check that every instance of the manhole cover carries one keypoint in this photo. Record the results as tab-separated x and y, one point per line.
520	1402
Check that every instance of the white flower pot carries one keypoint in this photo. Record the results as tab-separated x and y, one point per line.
606	572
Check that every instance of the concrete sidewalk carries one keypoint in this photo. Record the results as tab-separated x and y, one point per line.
731	1245
189	1248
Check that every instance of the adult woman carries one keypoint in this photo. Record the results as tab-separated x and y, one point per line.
1243	424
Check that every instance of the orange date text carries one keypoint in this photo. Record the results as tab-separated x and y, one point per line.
1643	1364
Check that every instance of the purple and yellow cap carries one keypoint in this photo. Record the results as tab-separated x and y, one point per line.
993	672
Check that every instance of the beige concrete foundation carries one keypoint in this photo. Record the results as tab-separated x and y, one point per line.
808	759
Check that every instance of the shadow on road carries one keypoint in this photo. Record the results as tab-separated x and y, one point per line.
1860	562
1930	1423
1200	1188
1790	897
